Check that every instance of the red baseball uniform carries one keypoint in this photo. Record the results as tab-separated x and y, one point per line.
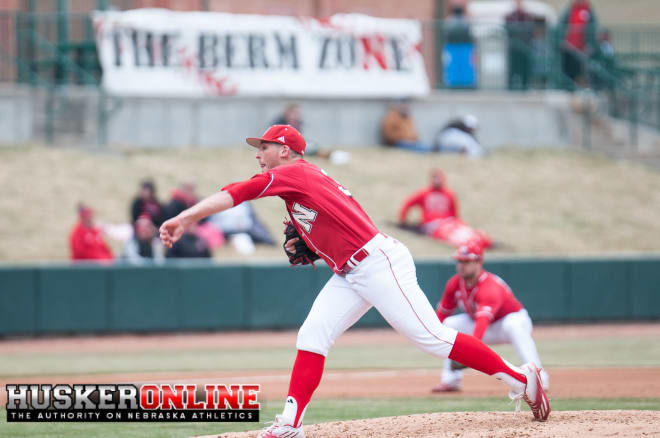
328	219
382	275
488	300
435	204
334	225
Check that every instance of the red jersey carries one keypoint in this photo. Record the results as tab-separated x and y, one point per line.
490	299
88	244
326	216
435	204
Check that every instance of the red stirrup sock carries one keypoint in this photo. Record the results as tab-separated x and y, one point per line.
471	352
305	378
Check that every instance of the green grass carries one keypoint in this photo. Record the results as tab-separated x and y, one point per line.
599	352
594	353
319	412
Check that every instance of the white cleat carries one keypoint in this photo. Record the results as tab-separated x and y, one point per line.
279	429
534	394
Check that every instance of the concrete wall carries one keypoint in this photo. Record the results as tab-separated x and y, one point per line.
16	116
507	119
522	120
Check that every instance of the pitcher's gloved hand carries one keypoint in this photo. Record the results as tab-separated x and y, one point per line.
295	247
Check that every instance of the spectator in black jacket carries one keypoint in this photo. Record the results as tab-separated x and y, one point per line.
290	116
189	246
145	243
147	203
182	197
520	29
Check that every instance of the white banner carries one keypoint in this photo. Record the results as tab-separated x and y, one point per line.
162	52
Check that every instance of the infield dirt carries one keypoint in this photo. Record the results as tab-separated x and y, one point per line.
566	424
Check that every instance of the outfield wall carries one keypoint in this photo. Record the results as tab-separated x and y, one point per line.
202	296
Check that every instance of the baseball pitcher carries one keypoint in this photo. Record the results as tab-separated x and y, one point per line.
370	269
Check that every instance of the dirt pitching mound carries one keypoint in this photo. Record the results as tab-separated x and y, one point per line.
564	424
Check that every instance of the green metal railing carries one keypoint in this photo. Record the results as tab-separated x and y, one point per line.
50	51
626	78
59	47
72	36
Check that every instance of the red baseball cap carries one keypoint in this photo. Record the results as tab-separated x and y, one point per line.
282	134
468	252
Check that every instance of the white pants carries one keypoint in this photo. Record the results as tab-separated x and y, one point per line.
515	329
387	280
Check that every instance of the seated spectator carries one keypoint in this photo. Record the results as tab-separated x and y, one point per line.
146	202
145	243
189	246
398	129
290	116
181	198
184	197
459	135
212	235
86	239
242	227
440	218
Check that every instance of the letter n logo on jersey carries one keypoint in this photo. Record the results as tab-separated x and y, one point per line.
304	216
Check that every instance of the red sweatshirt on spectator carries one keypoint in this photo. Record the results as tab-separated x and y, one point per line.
577	22
88	243
435	204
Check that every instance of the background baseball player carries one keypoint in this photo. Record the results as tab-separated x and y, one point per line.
440	218
370	269
492	313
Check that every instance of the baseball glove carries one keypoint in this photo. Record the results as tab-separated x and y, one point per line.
302	255
455	366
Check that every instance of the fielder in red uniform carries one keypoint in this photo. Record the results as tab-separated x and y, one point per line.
491	313
370	269
440	218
